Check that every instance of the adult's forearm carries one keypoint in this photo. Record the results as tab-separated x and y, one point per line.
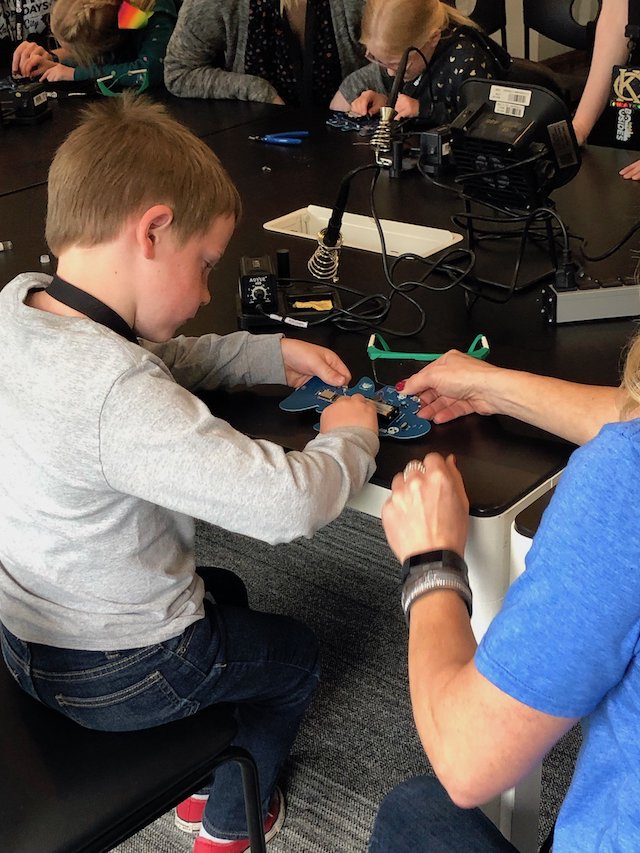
479	740
441	646
610	49
188	81
567	409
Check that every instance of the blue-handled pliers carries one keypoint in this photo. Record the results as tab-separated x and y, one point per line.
289	137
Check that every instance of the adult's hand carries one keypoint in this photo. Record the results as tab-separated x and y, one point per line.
428	509
452	386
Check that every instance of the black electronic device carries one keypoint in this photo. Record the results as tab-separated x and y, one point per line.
258	286
512	144
23	101
266	299
435	150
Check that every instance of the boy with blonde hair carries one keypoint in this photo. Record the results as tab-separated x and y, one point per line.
107	457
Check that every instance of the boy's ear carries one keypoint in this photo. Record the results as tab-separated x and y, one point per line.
153	224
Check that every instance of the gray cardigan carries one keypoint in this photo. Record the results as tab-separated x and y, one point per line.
206	54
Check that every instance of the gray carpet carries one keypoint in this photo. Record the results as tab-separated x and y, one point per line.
358	739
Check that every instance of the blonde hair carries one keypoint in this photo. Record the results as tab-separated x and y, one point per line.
631	379
399	24
89	28
127	155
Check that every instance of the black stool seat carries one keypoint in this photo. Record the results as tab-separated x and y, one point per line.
66	789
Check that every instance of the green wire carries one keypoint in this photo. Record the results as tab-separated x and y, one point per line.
111	93
479	349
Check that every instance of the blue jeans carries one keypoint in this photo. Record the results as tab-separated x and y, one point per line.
266	664
419	816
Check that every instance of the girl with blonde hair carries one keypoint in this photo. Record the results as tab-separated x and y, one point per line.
449	49
103	39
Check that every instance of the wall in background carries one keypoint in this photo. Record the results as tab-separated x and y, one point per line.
541	47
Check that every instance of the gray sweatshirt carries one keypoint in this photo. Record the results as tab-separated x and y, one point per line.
106	458
206	53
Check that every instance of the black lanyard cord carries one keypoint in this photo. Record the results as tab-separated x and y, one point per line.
93	308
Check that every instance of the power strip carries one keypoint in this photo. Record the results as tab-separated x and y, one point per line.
592	300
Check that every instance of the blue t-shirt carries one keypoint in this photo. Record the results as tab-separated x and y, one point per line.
566	640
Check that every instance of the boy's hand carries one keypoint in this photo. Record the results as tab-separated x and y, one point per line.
58	72
407	107
427	510
454	385
303	360
368	103
355	411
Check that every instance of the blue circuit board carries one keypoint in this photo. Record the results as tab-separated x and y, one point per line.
397	413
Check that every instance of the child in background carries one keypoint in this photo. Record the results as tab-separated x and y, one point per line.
103	38
611	47
107	457
453	48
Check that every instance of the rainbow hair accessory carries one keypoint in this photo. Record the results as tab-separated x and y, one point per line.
132	18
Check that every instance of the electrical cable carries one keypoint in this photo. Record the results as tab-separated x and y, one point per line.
613	249
560	236
369	311
459	179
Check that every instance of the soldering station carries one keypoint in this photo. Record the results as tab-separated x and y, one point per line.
508	149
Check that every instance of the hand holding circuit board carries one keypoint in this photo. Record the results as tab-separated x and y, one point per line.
397	413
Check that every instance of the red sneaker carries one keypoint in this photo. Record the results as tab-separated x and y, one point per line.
272	825
189	813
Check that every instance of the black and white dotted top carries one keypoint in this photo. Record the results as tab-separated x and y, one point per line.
274	54
462	52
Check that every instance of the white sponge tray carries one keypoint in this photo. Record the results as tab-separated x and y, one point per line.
360	232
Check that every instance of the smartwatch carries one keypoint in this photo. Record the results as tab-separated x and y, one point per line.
433	570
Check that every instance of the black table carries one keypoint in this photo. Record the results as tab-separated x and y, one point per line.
501	460
274	181
27	150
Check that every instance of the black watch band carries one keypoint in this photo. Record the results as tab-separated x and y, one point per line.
449	560
434	570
